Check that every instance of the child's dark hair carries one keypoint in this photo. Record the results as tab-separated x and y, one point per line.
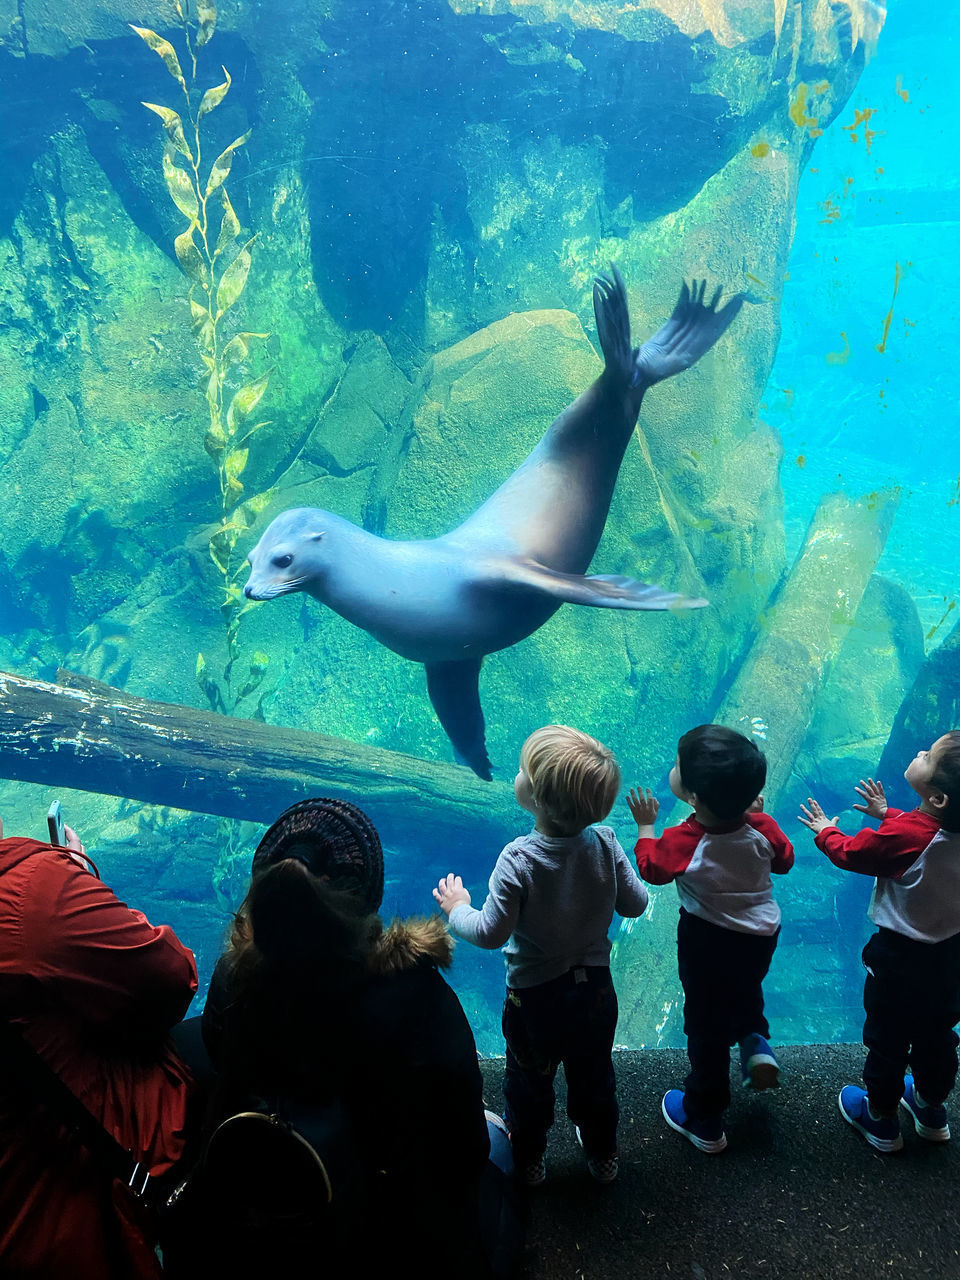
724	769
946	776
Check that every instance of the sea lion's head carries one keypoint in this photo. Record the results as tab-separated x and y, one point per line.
289	556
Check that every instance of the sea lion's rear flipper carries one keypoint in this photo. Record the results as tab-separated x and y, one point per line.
604	591
612	315
692	330
454	689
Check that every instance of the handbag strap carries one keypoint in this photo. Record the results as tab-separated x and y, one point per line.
33	1071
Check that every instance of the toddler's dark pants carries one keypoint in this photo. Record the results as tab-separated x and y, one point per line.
571	1019
912	1001
722	973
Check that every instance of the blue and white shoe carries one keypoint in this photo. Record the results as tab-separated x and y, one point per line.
883	1134
758	1064
706	1135
930	1122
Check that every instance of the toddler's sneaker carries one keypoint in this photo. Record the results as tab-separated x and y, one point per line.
758	1064
930	1122
706	1135
600	1170
534	1174
883	1134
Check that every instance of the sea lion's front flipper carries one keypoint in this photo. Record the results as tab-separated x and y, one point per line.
454	689
692	330
604	591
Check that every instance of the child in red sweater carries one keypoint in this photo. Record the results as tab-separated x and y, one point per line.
912	991
722	858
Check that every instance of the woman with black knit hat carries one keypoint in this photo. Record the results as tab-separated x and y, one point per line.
315	1000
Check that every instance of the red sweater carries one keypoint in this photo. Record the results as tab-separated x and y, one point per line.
94	988
722	873
917	865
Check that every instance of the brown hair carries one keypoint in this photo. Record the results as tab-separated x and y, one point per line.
298	953
574	779
301	926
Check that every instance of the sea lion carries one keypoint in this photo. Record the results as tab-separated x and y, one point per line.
447	602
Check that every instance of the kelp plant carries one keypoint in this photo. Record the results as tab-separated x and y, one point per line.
218	270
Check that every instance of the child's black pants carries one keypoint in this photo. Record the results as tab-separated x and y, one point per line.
912	1001
571	1019
722	973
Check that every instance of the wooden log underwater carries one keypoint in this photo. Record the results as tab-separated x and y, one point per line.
82	734
775	693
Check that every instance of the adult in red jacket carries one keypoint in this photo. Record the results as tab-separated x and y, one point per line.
94	988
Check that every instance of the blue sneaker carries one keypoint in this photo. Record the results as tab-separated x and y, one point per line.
706	1135
758	1064
930	1122
883	1134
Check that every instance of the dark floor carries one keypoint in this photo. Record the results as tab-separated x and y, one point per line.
796	1194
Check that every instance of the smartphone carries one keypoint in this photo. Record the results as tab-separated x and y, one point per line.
55	827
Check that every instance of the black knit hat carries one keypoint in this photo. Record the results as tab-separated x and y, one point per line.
331	838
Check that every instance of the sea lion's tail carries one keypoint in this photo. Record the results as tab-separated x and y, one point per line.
692	330
613	325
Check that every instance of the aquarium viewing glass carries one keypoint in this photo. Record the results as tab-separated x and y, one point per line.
342	257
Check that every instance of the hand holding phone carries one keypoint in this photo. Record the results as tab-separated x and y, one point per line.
55	827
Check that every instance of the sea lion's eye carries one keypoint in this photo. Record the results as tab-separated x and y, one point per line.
282	562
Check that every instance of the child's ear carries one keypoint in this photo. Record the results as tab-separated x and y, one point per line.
939	802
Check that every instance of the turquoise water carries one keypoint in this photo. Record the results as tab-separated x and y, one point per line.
425	195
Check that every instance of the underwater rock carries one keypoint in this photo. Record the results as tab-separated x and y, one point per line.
362	409
861	696
774	695
930	709
516	137
93	438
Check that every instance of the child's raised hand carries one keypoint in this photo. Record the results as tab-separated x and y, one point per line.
812	816
872	792
644	806
450	893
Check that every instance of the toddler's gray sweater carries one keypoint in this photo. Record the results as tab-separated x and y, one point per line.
551	901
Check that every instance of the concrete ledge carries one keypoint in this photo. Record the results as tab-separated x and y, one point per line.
797	1195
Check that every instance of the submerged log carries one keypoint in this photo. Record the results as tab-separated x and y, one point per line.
774	695
85	735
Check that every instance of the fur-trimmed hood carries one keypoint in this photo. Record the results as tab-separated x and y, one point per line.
405	944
